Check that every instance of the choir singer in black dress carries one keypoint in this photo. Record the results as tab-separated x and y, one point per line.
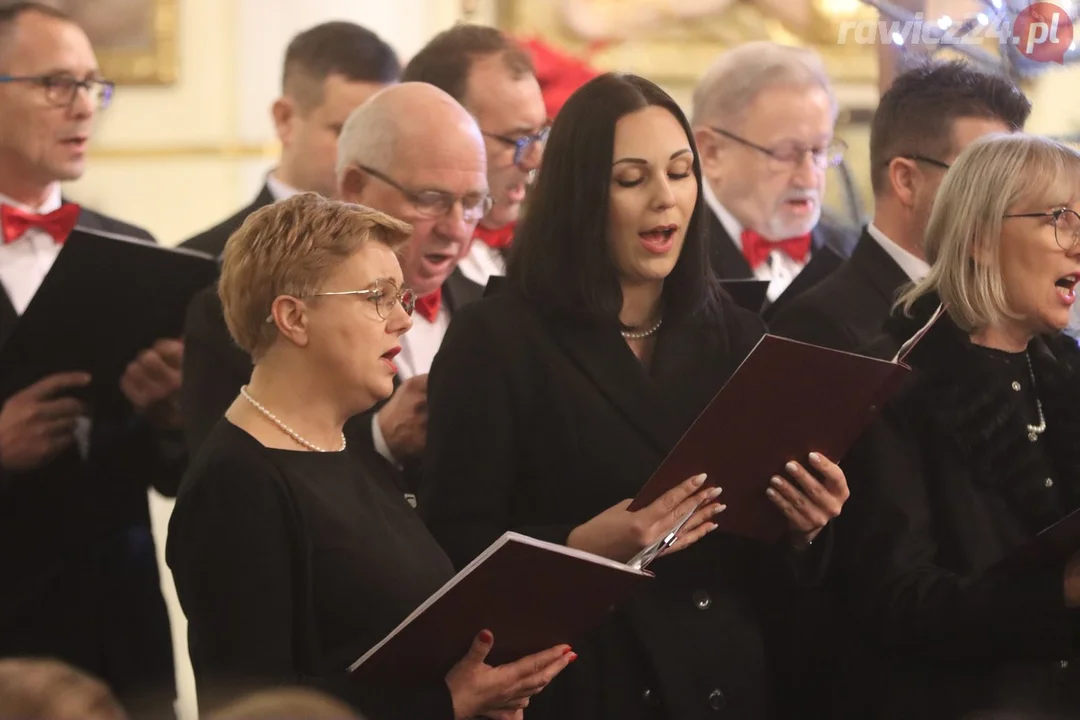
553	400
975	456
290	560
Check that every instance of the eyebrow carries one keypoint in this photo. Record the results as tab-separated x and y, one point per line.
642	161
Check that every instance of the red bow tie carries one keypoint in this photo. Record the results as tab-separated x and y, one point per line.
498	238
428	306
58	223
756	248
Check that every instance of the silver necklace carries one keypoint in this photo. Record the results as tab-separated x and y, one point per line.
1034	431
288	430
629	335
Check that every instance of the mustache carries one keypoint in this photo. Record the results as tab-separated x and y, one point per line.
812	195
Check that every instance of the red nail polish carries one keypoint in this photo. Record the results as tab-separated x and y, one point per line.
573	657
567	651
486	636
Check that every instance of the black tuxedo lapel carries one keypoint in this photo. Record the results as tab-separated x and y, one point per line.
459	291
728	261
879	268
604	357
8	316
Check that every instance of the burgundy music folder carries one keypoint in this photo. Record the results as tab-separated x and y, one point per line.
786	400
531	594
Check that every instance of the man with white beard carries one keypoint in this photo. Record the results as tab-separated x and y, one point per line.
764	116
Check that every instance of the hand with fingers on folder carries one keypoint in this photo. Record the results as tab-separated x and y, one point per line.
619	534
809	503
501	692
151	383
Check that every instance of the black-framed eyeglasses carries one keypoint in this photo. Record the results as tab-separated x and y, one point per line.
790	154
523	143
436	203
923	158
1066	225
60	89
383	294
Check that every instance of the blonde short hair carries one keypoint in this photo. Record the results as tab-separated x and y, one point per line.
289	248
282	703
995	175
48	688
736	77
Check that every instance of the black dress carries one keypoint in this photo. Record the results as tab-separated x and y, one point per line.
943	487
537	423
290	565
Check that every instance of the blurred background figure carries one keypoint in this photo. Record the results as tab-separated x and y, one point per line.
45	689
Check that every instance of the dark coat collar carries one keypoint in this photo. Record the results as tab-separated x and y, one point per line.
957	396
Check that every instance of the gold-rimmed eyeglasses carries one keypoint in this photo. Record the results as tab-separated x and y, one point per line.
383	294
1066	223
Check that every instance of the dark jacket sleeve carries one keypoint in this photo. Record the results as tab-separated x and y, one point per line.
913	605
215	368
471	458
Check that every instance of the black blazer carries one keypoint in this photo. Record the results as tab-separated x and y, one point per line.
77	560
215	369
830	245
849	308
213	241
944	486
539	423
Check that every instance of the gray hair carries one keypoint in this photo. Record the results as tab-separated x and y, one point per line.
736	77
993	176
367	137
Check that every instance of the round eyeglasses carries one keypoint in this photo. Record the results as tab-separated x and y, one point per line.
1066	225
383	294
60	89
436	203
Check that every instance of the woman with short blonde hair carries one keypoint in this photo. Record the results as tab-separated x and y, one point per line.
974	457
291	559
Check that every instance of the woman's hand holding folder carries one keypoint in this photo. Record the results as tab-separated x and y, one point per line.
502	692
619	534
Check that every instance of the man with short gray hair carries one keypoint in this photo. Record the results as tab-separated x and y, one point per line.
764	116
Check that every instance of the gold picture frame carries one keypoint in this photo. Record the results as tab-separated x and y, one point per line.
677	57
136	41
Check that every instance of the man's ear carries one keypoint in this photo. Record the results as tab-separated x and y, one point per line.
902	178
284	113
709	151
352	185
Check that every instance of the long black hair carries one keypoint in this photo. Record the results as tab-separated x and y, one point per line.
560	257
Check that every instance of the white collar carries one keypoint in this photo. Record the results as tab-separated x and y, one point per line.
52	202
279	189
914	267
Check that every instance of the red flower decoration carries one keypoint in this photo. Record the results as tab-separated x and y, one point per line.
559	73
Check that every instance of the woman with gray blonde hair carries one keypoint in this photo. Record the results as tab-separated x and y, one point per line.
974	457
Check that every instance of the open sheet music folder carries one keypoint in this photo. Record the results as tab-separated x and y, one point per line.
531	594
786	400
105	298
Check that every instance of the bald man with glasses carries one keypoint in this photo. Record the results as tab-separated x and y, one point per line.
412	152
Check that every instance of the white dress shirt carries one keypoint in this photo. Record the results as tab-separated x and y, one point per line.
24	263
418	348
914	267
280	191
780	269
482	262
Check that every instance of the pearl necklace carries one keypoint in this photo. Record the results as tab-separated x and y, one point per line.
288	430
629	335
1034	431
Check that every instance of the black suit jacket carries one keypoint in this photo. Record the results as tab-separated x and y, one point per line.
849	308
213	241
215	369
830	246
537	424
77	563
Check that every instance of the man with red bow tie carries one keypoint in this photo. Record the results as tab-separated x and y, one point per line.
493	78
77	562
763	118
